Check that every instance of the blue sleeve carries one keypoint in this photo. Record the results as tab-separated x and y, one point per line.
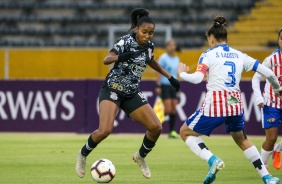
255	67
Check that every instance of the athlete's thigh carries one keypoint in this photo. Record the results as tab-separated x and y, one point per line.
146	116
167	105
271	117
234	123
174	104
107	114
109	103
203	124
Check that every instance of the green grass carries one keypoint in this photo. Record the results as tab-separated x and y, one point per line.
28	158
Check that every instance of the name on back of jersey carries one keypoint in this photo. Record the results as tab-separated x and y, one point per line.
226	55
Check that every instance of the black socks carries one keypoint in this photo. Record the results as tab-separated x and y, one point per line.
88	147
146	147
171	122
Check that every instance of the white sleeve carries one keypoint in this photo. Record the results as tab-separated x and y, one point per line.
256	87
194	78
270	76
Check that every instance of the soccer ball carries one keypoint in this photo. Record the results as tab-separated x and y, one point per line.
103	171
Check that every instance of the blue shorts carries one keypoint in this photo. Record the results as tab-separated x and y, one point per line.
271	117
205	124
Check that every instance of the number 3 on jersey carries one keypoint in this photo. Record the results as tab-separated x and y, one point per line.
231	74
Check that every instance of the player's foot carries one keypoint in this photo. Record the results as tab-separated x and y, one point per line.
173	134
80	165
215	164
142	164
270	180
276	159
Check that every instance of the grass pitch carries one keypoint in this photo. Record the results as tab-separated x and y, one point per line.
28	158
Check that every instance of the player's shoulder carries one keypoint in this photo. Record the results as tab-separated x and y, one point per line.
163	56
277	51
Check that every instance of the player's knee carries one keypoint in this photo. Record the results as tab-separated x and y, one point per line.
271	140
183	133
104	133
157	129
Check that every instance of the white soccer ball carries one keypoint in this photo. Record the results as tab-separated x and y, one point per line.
103	171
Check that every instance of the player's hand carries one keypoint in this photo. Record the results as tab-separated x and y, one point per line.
175	83
126	56
182	68
261	105
279	93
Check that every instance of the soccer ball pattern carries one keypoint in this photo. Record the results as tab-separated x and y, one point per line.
103	171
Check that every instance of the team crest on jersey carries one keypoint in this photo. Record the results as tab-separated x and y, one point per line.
113	96
271	120
150	53
232	100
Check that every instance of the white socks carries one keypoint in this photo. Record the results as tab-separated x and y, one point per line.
253	156
265	155
197	145
278	147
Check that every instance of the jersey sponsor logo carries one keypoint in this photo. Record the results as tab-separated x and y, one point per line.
113	96
117	86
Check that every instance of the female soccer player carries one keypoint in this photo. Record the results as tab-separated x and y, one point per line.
169	61
271	107
223	66
130	55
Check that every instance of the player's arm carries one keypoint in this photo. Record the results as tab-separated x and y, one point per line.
157	67
111	58
270	76
195	77
256	84
256	88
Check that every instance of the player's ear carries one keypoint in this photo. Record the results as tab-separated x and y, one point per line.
136	28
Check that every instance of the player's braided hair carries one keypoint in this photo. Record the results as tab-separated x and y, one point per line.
218	30
139	16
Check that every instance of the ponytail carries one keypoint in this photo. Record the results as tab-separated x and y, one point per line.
139	16
218	30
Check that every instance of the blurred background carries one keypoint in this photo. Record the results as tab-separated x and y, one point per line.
51	42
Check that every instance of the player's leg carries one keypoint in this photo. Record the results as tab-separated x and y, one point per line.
268	144
139	110
196	125
235	126
147	117
168	106
276	154
270	122
172	114
107	113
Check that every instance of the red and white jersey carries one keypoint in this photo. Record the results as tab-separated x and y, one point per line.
274	62
223	67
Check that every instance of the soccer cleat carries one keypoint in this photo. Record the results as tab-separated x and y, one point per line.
276	159
80	165
142	164
267	179
173	134
215	165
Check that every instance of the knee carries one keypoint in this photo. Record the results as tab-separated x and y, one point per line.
271	139
104	133
157	129
183	133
